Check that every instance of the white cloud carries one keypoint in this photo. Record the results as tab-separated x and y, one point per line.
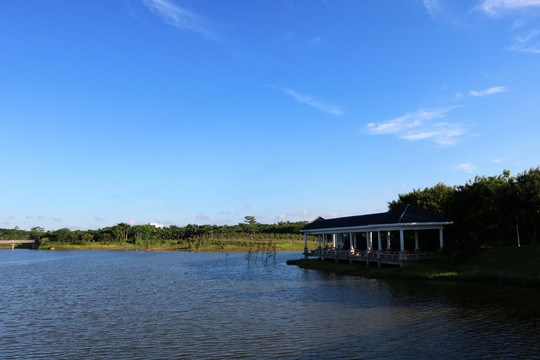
202	217
132	222
295	215
495	7
468	167
418	125
179	17
490	91
288	36
306	99
529	43
432	6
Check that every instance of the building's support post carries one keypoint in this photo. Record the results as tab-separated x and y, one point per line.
334	235
441	237
319	241
351	242
379	246
355	241
402	253
416	245
324	240
369	240
388	240
305	246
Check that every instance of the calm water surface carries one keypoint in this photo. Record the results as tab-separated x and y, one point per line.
156	305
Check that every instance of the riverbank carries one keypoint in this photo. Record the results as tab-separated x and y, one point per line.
184	245
504	265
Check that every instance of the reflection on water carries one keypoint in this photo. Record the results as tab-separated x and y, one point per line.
117	304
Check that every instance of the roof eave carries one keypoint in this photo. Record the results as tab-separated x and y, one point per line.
380	227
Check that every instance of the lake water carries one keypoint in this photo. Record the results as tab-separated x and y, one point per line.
160	305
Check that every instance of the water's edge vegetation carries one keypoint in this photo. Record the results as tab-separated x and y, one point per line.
503	265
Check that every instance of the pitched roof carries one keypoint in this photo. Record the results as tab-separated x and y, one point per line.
407	214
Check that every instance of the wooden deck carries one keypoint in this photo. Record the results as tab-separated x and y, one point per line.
378	257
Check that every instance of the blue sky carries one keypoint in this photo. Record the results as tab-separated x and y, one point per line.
203	112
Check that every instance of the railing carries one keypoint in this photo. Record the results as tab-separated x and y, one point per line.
13	242
390	256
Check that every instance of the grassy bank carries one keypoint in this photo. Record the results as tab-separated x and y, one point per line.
511	265
184	245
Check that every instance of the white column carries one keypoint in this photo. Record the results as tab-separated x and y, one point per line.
334	240
441	237
401	240
388	247
324	240
305	246
351	241
416	246
319	241
354	240
369	240
379	246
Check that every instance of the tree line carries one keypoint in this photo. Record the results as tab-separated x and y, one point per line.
487	211
122	232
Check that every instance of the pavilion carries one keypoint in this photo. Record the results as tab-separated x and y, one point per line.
344	233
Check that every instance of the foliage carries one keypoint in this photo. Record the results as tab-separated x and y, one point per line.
246	235
486	211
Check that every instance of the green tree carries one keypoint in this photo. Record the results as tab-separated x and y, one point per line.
527	191
252	225
433	199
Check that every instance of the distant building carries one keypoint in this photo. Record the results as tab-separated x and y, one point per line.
157	226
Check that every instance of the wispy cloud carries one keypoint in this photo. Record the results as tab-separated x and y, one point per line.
288	36
490	91
179	17
295	215
420	125
317	104
432	6
495	7
468	167
202	217
132	222
529	43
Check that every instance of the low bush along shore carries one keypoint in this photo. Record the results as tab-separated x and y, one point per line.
513	265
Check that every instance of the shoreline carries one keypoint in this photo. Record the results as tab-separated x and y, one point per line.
505	265
216	246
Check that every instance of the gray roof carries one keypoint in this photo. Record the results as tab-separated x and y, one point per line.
405	215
